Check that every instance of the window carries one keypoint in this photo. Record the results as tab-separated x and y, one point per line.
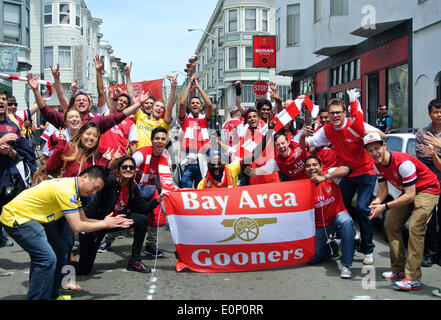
398	95
265	20
248	95
317	10
11	22
347	72
213	48
48	57
64	13
220	37
221	68
65	57
78	16
250	19
48	14
27	29
284	92
339	7
232	58
249	57
293	25
232	20
278	30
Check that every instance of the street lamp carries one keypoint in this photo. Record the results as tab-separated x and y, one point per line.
217	59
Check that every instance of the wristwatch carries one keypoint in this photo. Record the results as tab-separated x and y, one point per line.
327	176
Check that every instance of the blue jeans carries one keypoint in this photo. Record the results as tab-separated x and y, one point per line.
48	253
191	174
364	187
344	224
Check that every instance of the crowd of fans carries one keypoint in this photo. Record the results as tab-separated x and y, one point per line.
98	173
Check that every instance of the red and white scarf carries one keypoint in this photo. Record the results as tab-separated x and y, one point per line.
192	127
356	114
165	176
226	182
247	145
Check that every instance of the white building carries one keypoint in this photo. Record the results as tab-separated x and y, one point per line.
224	52
19	31
388	49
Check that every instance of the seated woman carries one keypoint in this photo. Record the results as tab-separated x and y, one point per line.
120	195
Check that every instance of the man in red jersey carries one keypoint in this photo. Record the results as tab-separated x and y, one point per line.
331	214
420	195
350	151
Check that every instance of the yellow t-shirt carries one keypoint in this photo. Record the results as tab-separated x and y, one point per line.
233	168
45	202
145	126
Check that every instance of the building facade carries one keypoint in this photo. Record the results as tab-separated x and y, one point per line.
38	34
20	29
380	47
225	53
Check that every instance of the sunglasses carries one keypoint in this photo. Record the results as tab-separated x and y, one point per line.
12	104
125	167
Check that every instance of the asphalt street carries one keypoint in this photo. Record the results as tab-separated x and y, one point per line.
110	280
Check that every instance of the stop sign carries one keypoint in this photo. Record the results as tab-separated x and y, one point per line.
260	88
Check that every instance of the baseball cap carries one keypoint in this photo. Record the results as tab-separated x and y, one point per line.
372	137
382	107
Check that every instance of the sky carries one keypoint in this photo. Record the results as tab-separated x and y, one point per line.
152	34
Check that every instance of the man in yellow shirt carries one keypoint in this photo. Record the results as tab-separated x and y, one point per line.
30	219
160	114
220	175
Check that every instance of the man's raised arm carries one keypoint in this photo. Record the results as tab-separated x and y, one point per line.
172	99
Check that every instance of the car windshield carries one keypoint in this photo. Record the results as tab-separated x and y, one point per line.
395	144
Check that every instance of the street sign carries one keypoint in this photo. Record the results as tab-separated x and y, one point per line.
260	88
264	51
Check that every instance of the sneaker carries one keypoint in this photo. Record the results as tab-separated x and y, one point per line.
336	249
138	266
408	285
104	246
150	250
65	297
4	273
437	293
393	275
369	258
345	272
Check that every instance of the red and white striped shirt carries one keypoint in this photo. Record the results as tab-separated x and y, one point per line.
404	170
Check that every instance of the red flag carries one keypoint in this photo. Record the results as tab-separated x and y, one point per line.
155	87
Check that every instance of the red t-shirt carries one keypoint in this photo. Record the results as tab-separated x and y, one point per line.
350	150
293	166
328	202
328	157
119	136
404	170
123	200
231	133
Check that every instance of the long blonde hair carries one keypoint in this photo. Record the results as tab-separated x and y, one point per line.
78	148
